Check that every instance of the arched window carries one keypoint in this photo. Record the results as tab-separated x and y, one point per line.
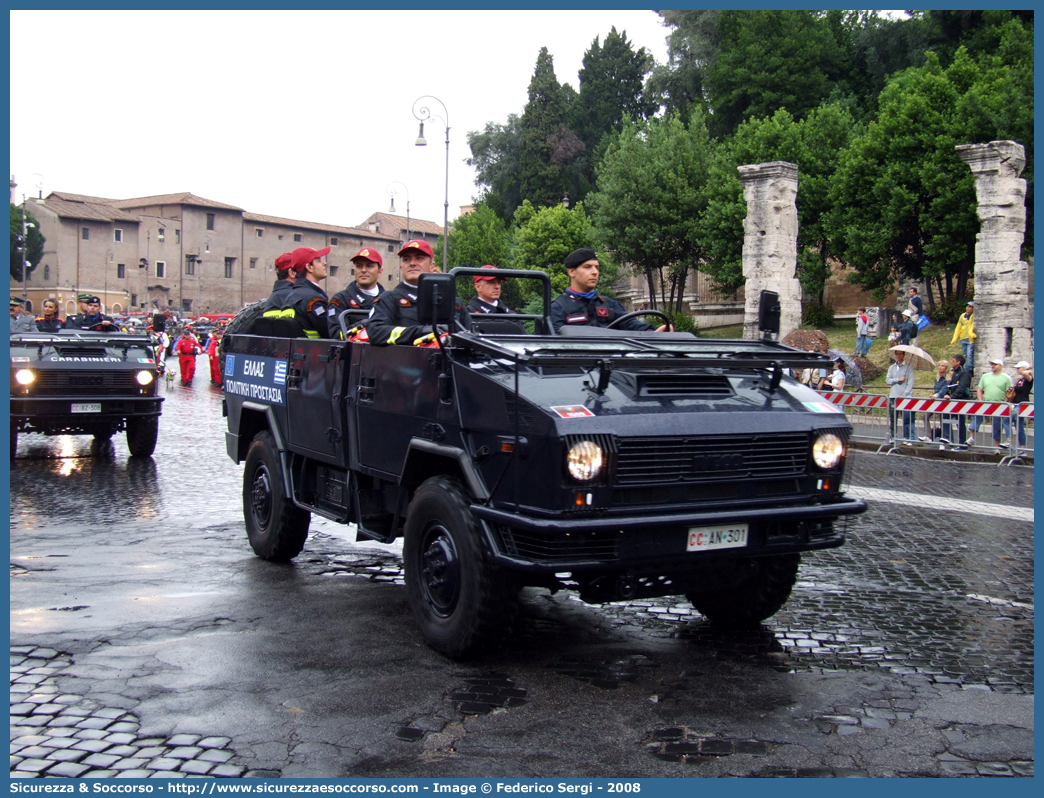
47	272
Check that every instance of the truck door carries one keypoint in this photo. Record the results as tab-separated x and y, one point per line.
315	384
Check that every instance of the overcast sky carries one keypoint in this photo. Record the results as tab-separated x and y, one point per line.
304	115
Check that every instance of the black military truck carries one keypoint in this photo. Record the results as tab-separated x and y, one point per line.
75	382
615	463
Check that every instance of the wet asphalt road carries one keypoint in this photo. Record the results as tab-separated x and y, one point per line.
148	640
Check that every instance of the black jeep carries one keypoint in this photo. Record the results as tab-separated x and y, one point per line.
76	382
619	464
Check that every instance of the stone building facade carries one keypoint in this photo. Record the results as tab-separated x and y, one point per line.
203	256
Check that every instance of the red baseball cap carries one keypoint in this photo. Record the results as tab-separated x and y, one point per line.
370	254
284	261
305	255
478	278
420	244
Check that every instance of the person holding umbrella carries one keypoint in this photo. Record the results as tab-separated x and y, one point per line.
901	377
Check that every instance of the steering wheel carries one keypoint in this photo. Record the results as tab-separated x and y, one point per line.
635	314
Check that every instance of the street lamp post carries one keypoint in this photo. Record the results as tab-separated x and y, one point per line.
392	193
423	113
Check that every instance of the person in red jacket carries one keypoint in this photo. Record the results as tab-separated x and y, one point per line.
187	348
212	353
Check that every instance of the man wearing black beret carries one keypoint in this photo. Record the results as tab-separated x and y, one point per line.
582	305
93	319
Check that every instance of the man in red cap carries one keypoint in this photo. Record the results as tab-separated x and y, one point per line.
487	290
306	303
285	275
393	318
364	290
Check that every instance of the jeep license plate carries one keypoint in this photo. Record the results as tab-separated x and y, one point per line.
87	408
706	538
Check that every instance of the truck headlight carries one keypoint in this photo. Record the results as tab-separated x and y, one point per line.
24	376
585	460
827	451
144	377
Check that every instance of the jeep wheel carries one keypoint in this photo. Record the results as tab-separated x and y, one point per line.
141	435
462	602
761	591
276	527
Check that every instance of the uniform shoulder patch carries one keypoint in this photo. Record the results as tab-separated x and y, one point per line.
404	302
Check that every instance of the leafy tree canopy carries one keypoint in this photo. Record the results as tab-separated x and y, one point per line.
650	197
547	145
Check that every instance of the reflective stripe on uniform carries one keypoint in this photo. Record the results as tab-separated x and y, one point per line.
312	333
286	313
395	333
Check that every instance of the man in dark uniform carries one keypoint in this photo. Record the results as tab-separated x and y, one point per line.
393	318
487	299
285	276
582	305
363	291
306	303
93	319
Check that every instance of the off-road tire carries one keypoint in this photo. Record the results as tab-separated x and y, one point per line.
240	323
759	595
276	527
463	603
142	434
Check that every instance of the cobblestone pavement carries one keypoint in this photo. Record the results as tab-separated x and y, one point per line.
907	652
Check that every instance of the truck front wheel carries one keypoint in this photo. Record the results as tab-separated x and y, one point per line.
462	602
141	435
276	527
763	587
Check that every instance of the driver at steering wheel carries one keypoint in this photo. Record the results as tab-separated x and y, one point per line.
582	305
93	319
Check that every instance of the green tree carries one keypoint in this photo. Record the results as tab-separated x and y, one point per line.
904	202
495	154
769	60
476	239
34	242
650	195
612	81
544	236
547	145
692	45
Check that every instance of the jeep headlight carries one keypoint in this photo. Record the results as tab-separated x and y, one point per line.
827	451
144	377
585	461
24	376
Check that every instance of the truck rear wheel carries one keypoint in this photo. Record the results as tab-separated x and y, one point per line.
276	527
462	602
141	435
761	591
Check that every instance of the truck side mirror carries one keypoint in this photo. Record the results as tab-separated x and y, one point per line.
436	295
769	313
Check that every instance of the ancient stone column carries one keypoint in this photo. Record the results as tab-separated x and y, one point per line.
1003	322
770	232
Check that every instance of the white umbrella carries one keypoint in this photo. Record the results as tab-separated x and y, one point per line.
914	351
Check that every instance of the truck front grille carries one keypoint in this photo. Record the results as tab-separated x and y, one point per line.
666	461
85	383
570	546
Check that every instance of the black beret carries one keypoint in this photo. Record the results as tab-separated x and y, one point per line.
578	256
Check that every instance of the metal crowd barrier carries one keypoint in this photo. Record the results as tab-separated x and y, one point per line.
876	417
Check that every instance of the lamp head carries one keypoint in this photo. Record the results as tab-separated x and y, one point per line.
421	141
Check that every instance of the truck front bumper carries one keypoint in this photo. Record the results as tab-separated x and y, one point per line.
614	543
